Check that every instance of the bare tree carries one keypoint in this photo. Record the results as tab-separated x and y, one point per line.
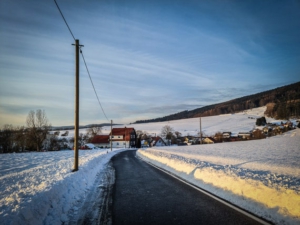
38	127
139	133
82	138
143	135
177	134
167	132
53	141
93	131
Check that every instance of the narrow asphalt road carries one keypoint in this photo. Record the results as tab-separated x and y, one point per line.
143	194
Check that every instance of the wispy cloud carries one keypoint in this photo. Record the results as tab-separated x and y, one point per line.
146	59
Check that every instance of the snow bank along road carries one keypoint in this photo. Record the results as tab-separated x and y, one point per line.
260	176
145	195
39	188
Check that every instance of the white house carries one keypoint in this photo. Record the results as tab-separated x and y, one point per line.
158	141
123	137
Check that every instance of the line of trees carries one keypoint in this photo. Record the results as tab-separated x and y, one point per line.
284	109
36	136
15	139
167	133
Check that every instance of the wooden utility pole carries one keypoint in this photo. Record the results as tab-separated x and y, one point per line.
200	132
111	135
125	137
77	47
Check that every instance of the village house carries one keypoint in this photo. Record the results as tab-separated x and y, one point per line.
278	129
245	135
267	129
234	138
288	125
258	134
101	141
208	140
196	140
123	137
157	141
226	134
189	140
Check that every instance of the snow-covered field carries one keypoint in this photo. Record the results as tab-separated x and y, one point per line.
261	176
235	123
238	122
39	188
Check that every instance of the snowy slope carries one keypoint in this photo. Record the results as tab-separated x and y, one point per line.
238	122
262	176
39	188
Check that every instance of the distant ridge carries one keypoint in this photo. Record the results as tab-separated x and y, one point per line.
285	103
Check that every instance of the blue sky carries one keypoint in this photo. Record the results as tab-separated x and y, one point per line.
147	58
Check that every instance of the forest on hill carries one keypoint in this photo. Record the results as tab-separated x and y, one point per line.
282	103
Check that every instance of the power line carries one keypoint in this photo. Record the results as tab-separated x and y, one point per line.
64	19
92	84
82	58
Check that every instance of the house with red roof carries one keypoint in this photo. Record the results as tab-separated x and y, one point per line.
101	141
157	141
123	137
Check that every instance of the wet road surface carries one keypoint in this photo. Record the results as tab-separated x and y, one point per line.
143	194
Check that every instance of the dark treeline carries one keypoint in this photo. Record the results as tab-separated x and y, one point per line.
15	139
38	135
282	103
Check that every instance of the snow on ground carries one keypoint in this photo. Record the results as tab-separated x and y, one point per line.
39	187
238	122
261	176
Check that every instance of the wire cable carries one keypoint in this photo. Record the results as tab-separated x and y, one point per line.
64	19
92	83
82	58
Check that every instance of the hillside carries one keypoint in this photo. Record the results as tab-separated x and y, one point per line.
282	103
